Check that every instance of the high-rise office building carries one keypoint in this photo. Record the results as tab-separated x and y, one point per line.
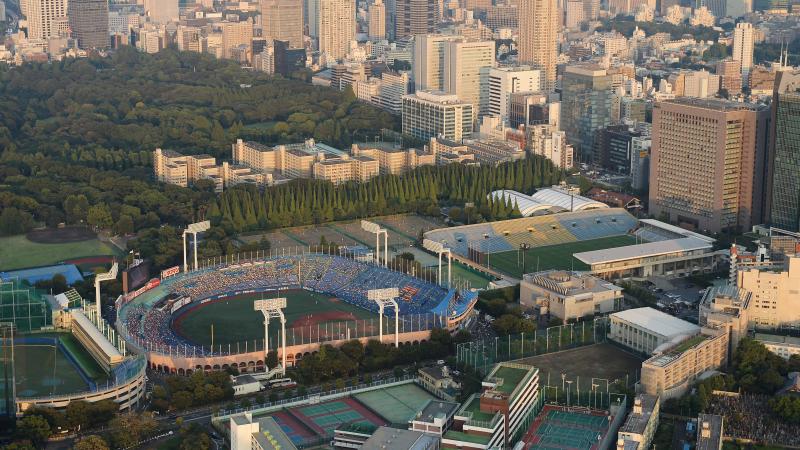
429	61
505	81
538	38
743	36
377	20
587	101
783	180
707	163
466	71
336	27
415	17
282	20
162	11
46	18
88	20
236	35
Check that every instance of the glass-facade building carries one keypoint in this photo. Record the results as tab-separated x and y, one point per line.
784	208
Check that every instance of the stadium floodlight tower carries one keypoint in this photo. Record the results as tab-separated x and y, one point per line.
193	229
439	249
100	277
273	308
386	297
374	228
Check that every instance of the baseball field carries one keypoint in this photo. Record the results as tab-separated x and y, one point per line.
51	246
234	320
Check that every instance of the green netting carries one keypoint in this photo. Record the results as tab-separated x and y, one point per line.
24	307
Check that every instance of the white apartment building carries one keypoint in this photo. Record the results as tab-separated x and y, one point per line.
428	114
336	27
743	40
504	81
377	20
394	85
429	62
548	141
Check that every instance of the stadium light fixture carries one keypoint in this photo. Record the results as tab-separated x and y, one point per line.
273	308
100	277
386	297
193	229
374	228
439	249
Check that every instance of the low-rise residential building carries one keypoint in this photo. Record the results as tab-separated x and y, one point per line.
783	346
439	379
569	295
345	168
435	418
640	426
392	158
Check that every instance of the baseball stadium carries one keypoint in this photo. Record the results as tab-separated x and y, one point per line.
205	319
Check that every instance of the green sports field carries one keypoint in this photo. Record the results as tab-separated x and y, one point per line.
553	256
235	321
17	252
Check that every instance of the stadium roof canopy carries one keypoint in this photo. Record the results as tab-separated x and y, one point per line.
548	200
647	250
657	322
677	230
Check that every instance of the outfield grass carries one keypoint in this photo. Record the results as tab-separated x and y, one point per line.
235	321
17	252
553	256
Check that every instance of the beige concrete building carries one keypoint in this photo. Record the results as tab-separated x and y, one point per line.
336	27
235	35
707	163
640	426
670	373
775	296
491	151
174	168
282	20
46	18
345	168
393	159
466	72
538	38
548	141
429	62
568	295
783	346
727	309
377	20
743	42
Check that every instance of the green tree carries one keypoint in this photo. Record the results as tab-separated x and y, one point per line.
92	442
99	216
272	359
33	428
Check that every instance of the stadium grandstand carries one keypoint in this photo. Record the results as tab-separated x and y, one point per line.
536	231
102	350
547	201
149	318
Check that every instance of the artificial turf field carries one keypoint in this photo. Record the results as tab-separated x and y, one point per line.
235	321
43	369
553	256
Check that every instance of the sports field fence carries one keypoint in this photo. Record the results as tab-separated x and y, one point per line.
482	354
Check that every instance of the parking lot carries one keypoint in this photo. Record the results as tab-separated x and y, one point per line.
679	297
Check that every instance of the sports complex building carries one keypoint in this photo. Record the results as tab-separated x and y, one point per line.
55	350
204	319
608	242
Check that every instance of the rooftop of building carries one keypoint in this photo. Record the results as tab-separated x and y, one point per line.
637	422
259	147
386	146
387	438
716	104
554	198
676	230
244	379
464	437
789	341
473	407
568	283
657	322
270	435
726	295
436	372
672	354
709	432
171	154
436	409
647	250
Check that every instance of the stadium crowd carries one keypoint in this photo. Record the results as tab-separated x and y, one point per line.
333	275
748	416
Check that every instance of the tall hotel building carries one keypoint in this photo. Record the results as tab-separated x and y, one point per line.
707	163
336	27
282	20
88	20
783	190
538	38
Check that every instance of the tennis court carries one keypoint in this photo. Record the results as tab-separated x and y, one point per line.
558	429
323	418
397	404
